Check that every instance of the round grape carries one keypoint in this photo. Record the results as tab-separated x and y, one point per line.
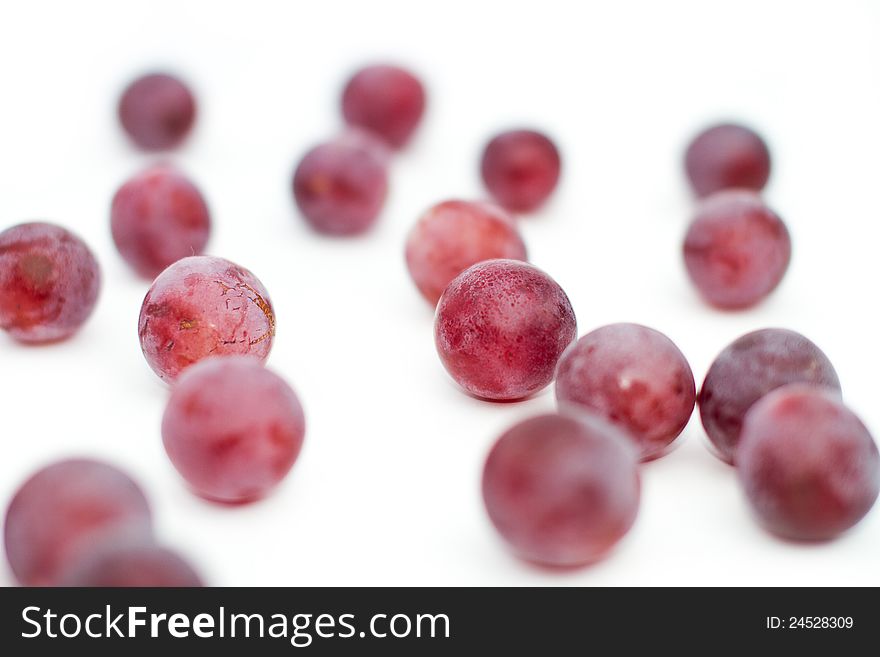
736	250
157	218
808	465
232	428
131	564
157	111
453	235
562	490
49	282
500	328
633	376
520	169
727	156
204	306
749	368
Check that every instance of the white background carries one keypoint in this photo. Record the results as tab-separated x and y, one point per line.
386	491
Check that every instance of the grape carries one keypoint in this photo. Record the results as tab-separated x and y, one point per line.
562	490
749	368
49	282
386	100
520	169
63	511
202	306
157	111
727	156
131	564
500	328
453	235
736	250
633	376
340	186
808	465
232	428
157	218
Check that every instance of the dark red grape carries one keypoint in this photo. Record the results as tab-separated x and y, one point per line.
808	465
131	564
500	328
63	511
157	218
49	282
736	250
386	100
520	169
204	306
749	368
633	376
727	156
340	186
232	428
453	235
562	490
157	111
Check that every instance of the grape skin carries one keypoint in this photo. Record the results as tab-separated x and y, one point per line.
157	111
131	564
520	168
727	156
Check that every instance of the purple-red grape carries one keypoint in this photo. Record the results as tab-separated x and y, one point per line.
727	156
500	328
808	465
131	564
204	306
749	368
232	428
520	169
157	111
63	511
340	186
736	250
49	282
157	218
386	100
633	376
562	490
453	235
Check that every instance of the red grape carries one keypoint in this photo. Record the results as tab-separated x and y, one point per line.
63	511
157	111
727	156
453	235
340	186
808	465
203	306
736	250
49	282
562	490
749	368
131	564
157	218
232	428
386	100
520	169
500	328
633	376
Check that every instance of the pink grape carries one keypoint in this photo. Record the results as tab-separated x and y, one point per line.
204	306
562	490
63	511
727	156
453	235
520	169
157	111
232	428
749	368
386	100
632	376
809	467
736	250
157	218
500	328
49	282
131	564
